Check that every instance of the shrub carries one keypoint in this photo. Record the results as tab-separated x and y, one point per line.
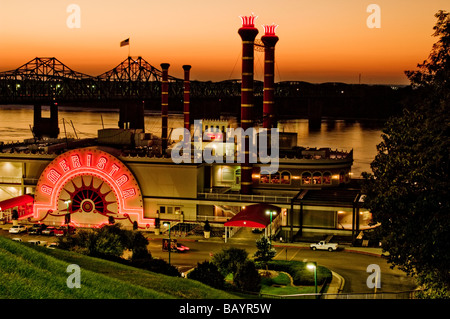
208	273
247	277
156	265
228	259
110	241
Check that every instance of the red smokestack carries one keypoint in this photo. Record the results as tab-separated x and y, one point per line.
269	39
164	105
186	95
248	33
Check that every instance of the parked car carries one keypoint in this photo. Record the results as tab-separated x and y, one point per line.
17	229
37	229
52	245
17	239
257	230
37	242
61	231
49	231
322	245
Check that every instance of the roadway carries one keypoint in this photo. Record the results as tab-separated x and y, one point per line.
348	263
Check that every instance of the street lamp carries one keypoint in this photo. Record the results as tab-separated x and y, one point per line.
269	212
170	239
67	202
313	266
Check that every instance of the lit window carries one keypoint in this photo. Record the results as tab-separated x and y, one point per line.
317	178
264	179
327	178
306	178
275	178
285	178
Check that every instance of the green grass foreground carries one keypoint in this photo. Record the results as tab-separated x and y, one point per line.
31	272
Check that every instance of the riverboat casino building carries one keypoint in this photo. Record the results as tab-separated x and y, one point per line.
128	174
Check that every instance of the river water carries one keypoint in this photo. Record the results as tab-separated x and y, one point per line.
360	135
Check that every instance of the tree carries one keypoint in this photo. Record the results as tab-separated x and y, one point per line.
138	245
408	191
228	259
264	251
433	74
208	273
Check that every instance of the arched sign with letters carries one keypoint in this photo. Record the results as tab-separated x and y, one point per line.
90	186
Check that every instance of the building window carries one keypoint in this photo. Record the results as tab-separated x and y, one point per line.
341	177
170	209
285	178
306	178
317	178
227	174
237	175
264	179
275	178
327	178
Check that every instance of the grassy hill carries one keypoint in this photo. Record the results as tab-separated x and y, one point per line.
30	272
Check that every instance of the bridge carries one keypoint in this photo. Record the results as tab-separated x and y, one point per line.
47	78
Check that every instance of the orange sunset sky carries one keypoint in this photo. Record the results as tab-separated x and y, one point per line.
320	41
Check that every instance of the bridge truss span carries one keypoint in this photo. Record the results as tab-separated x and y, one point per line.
44	79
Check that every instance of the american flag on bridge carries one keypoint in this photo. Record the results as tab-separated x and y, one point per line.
125	42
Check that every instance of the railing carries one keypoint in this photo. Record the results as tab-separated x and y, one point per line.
10	180
378	295
217	219
246	198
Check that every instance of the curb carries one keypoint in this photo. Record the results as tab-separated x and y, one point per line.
340	285
364	253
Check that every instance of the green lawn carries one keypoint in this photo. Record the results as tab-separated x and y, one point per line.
30	272
282	285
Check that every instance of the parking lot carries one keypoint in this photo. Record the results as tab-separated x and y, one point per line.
44	240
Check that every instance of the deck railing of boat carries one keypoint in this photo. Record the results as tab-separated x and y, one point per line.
245	198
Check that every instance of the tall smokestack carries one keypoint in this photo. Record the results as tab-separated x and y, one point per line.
248	33
164	105
186	96
269	39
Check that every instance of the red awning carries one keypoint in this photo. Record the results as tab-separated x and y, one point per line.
254	216
16	201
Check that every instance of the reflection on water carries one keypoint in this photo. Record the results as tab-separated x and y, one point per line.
361	136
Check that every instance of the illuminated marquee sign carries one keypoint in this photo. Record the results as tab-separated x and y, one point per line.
92	180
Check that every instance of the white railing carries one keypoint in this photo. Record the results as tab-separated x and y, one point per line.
217	219
246	198
10	180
